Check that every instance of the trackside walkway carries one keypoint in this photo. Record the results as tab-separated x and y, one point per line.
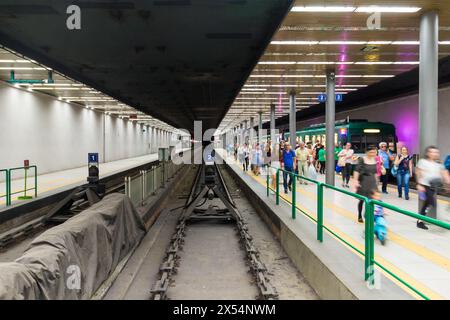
61	179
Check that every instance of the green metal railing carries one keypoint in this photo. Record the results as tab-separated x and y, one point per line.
8	182
146	183
7	194
25	189
369	245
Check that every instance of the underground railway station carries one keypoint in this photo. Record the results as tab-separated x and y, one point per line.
243	152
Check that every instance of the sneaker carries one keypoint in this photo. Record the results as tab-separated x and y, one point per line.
360	220
421	225
285	191
385	192
399	195
347	185
406	197
290	188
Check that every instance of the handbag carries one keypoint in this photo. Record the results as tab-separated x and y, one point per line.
394	171
383	170
341	162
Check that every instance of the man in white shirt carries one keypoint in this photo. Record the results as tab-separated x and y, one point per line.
430	174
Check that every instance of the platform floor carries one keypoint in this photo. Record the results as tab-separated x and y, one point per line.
51	182
419	257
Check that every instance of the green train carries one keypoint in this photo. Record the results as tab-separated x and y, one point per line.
360	133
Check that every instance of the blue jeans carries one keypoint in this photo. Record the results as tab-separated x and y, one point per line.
285	177
403	181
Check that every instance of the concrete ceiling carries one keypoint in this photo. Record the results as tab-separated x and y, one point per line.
369	63
176	60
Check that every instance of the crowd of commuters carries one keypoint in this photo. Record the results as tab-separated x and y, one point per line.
376	166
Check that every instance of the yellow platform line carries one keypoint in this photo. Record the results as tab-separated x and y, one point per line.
401	274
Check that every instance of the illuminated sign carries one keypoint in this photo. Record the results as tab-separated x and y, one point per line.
343	131
371	130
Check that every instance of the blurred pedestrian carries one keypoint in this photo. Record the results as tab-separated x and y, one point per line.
302	156
403	170
430	175
365	177
288	166
387	157
345	162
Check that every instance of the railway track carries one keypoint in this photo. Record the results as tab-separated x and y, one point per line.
209	203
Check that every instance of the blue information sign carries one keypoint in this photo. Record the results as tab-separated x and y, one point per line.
323	97
93	157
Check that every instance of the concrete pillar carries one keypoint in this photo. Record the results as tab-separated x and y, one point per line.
330	114
251	131
272	126
428	80
292	118
428	85
260	127
241	134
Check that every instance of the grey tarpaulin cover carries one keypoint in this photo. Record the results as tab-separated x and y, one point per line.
80	253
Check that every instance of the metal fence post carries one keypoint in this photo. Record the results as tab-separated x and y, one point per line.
267	181
320	212
277	193
8	188
35	182
141	178
294	194
369	241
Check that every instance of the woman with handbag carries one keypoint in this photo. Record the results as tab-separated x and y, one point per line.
365	177
402	170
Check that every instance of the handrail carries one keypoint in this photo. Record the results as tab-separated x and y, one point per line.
35	188
369	254
7	194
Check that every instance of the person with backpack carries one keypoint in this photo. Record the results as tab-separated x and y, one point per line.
430	175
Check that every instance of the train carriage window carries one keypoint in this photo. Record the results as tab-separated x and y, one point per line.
356	142
306	138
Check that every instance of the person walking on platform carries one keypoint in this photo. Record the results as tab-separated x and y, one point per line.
337	149
365	177
275	165
430	175
403	168
288	166
245	157
345	162
321	158
386	156
302	156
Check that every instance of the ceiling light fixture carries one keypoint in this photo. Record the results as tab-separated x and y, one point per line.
323	9
373	9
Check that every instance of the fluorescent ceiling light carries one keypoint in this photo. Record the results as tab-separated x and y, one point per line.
295	42
407	62
412	43
277	62
373	62
254	89
21	68
373	9
342	42
323	9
